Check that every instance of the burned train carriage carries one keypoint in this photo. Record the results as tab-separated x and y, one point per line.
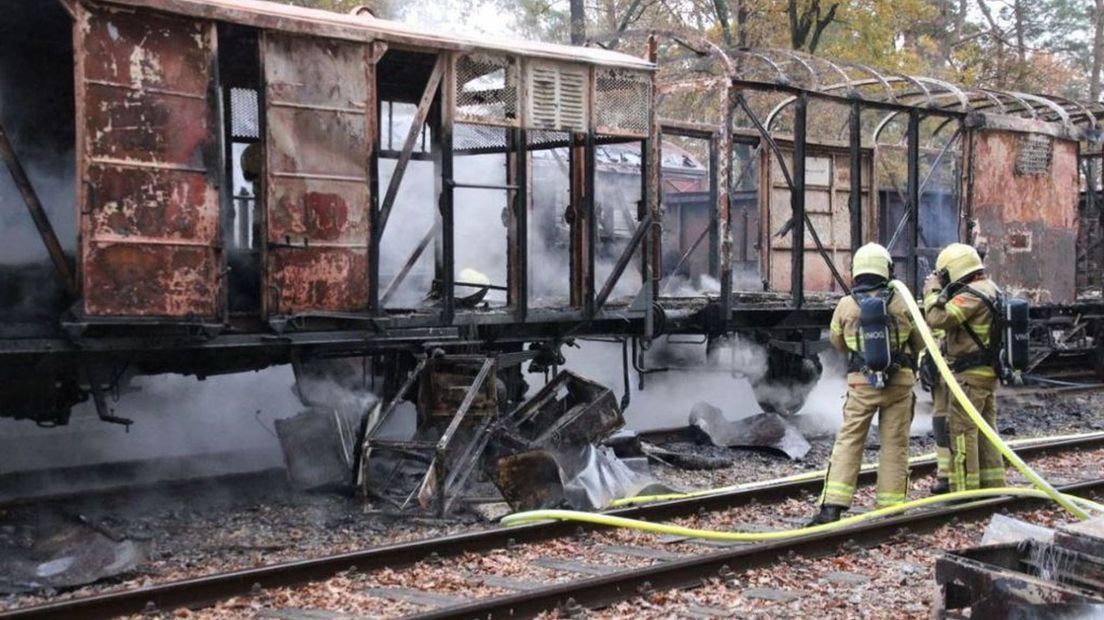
212	186
257	183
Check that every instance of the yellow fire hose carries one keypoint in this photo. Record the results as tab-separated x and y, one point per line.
813	475
975	416
1043	488
678	530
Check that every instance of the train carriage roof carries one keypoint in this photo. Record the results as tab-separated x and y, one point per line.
271	15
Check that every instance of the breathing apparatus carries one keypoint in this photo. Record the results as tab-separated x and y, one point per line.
876	358
1008	350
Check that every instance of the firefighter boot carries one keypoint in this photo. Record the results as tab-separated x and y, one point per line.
941	486
829	513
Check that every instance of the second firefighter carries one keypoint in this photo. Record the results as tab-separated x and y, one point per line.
961	300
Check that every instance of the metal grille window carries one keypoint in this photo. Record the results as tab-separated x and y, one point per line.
622	102
486	89
476	139
1034	153
244	114
558	97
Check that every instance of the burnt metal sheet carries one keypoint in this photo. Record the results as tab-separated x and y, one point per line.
319	445
317	185
764	430
1027	222
149	223
1021	579
58	550
543	453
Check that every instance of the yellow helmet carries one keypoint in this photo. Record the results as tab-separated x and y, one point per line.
871	258
959	260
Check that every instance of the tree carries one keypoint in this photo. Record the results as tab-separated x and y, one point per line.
578	22
808	22
1097	51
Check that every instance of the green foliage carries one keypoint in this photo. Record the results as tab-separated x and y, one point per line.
1026	45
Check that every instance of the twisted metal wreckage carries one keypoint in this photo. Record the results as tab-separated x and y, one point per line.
421	215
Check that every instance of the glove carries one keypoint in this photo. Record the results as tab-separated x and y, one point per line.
928	373
932	284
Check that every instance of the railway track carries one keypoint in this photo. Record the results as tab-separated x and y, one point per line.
604	590
1035	391
594	591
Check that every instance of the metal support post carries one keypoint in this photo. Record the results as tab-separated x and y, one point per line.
797	205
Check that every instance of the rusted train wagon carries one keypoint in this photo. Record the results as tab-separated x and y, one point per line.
839	154
221	185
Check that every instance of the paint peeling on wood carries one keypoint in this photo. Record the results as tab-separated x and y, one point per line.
317	182
150	214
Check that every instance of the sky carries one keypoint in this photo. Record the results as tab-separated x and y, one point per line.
478	17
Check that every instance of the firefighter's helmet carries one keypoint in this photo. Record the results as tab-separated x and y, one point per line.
957	261
872	258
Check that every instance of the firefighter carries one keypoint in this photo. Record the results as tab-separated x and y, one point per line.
873	327
940	395
960	299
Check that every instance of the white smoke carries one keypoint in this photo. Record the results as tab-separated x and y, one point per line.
174	415
668	396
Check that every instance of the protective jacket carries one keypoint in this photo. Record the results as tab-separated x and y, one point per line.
960	315
846	338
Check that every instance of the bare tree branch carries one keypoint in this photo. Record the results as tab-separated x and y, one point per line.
821	25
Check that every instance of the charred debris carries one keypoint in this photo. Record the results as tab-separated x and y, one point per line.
1025	571
470	445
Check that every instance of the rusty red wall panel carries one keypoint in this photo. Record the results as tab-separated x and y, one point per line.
145	127
1027	221
319	279
309	71
317	153
152	205
316	142
146	279
319	211
146	50
150	214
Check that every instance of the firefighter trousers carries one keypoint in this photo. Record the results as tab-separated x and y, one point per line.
894	407
940	431
975	463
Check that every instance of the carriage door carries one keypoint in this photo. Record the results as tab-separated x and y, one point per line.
317	160
149	165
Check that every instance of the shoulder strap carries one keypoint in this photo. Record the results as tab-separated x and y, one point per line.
992	304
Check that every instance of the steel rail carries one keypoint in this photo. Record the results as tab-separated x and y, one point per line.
605	590
201	592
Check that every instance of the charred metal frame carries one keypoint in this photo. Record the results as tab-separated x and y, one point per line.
38	213
800	80
444	478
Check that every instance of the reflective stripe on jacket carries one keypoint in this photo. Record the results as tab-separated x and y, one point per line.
965	308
